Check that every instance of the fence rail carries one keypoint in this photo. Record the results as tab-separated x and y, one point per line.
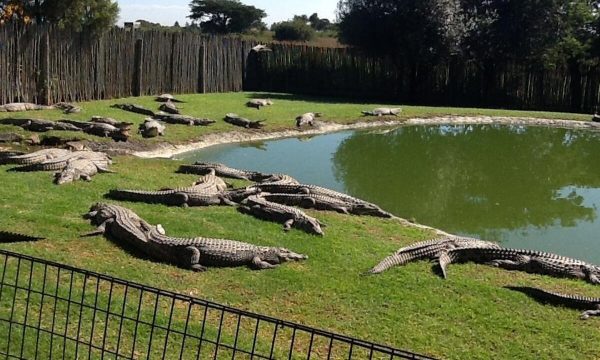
46	64
49	310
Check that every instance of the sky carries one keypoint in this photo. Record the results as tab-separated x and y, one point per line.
167	12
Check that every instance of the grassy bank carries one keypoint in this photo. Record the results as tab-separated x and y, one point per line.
278	117
470	315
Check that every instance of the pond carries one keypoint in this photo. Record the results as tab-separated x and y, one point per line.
526	187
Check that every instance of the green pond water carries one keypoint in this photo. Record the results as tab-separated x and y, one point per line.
526	187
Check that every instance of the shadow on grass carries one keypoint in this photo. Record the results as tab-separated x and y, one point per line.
311	98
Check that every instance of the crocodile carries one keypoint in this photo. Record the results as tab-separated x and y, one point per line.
203	168
59	163
68	108
79	169
322	202
383	111
41	125
275	188
14	107
307	119
38	156
429	250
107	130
291	217
208	184
134	108
281	179
11	138
531	261
257	103
10	237
183	120
195	254
167	98
176	197
169	108
589	304
151	128
237	120
111	121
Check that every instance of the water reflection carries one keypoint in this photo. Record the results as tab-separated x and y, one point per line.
527	187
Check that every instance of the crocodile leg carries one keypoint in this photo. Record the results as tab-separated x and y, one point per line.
100	229
259	264
194	259
287	226
588	313
443	261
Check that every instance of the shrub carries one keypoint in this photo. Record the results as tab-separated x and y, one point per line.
293	31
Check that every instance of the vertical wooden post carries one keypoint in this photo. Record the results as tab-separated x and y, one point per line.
137	67
44	77
202	70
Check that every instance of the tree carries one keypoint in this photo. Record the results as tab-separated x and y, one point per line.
414	34
225	16
90	16
293	31
319	24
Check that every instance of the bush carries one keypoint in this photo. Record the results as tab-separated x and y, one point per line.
293	31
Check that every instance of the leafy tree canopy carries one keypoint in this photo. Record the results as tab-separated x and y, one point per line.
91	16
225	16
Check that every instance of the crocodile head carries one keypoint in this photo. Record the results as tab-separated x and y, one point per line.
371	210
280	255
310	225
99	213
66	176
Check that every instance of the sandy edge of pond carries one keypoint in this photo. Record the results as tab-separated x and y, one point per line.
169	150
166	150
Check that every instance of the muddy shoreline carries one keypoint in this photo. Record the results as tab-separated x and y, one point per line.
167	150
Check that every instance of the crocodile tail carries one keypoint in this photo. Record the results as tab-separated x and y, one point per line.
397	259
444	260
152	197
9	237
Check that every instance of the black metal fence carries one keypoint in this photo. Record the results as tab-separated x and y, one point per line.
54	311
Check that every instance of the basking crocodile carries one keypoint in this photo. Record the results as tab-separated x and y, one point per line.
190	253
68	108
208	184
111	121
307	119
531	261
589	304
151	128
106	130
317	190
59	163
322	202
290	217
41	125
258	103
79	169
134	108
237	120
10	237
14	107
177	197
383	111
38	156
183	120
169	108
167	98
429	250
10	138
280	179
203	168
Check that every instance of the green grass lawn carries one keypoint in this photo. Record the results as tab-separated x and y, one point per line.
280	116
468	316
